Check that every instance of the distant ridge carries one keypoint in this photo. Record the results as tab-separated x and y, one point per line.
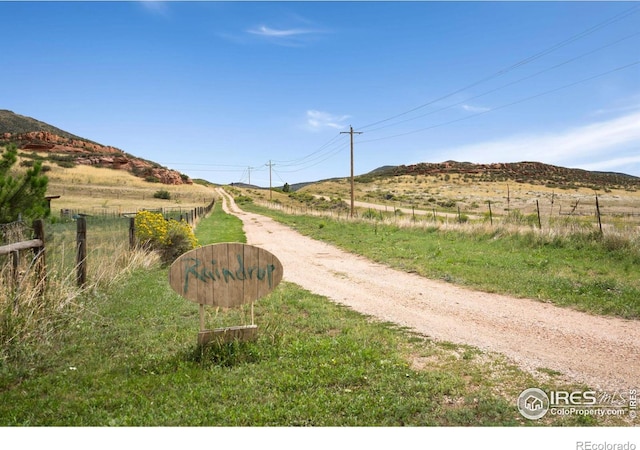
67	149
13	123
520	172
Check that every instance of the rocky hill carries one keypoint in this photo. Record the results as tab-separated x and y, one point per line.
65	148
521	172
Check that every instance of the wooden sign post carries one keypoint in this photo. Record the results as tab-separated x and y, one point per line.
226	275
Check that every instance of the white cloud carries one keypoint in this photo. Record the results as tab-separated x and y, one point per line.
318	120
288	36
475	109
619	164
156	7
630	103
598	145
272	32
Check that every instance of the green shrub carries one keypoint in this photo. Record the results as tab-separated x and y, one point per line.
66	164
371	214
240	199
163	194
179	239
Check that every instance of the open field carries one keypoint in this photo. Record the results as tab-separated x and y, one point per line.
94	190
443	195
563	258
125	354
130	359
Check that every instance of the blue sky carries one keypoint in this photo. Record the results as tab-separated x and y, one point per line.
216	90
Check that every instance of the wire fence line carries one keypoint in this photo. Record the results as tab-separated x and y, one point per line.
18	238
582	213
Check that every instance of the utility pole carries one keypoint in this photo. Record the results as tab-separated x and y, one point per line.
351	132
249	169
270	189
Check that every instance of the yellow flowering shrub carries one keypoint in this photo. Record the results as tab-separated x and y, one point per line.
170	237
180	230
151	229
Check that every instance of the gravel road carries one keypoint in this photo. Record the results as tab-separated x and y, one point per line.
602	352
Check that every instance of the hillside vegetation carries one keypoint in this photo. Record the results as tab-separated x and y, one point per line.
522	172
12	123
46	142
453	196
95	191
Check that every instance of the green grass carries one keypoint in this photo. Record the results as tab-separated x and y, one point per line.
131	359
220	227
314	364
581	270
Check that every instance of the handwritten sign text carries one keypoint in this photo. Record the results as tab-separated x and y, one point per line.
227	275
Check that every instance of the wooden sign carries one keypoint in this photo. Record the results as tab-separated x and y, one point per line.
226	275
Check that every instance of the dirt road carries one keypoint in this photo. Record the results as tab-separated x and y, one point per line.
602	352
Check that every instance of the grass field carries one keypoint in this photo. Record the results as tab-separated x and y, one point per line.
95	190
130	359
123	352
620	208
582	270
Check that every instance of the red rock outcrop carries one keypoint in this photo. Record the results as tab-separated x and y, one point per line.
93	154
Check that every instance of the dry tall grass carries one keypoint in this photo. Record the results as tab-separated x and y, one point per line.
617	234
29	317
430	191
96	190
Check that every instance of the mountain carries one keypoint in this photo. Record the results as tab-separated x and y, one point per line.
63	147
520	172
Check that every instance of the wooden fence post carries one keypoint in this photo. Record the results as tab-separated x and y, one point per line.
39	256
81	254
15	275
538	208
132	233
598	214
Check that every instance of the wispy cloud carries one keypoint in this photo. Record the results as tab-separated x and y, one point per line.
475	109
287	36
272	32
160	8
604	144
630	103
319	120
623	163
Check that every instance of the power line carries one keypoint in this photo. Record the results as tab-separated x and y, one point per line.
204	164
318	160
293	162
327	151
330	149
522	62
508	84
522	100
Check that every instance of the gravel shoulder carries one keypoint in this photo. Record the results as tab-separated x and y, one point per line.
602	352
